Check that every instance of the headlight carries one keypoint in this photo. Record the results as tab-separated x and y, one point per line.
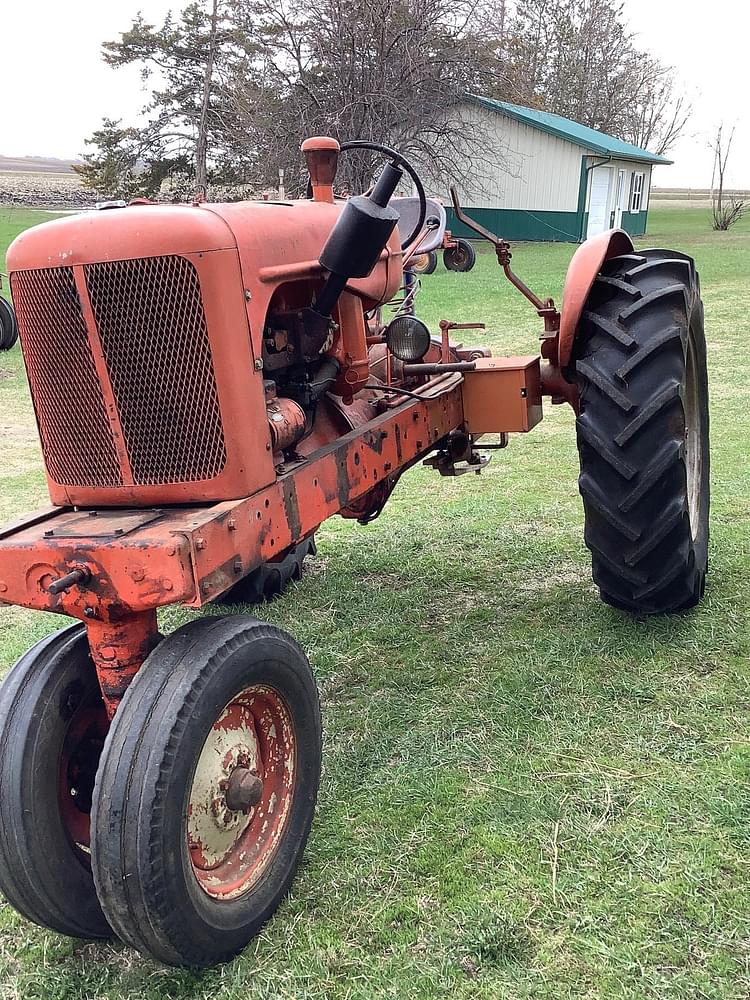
408	338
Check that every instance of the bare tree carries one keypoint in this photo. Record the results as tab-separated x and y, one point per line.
725	209
238	84
577	58
391	71
658	113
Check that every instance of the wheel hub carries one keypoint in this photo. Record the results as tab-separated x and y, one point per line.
241	793
244	789
77	769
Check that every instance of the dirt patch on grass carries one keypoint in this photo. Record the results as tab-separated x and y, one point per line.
564	576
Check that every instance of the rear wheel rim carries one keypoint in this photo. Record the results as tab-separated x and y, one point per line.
693	442
230	849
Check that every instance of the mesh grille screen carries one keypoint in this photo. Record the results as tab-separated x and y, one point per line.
76	437
152	327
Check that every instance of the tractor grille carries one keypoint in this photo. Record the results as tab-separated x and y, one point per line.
76	437
151	325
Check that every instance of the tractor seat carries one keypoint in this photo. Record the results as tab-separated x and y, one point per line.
408	211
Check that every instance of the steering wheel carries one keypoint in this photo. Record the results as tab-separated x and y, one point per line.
398	160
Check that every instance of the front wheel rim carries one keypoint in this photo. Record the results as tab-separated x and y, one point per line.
79	759
231	847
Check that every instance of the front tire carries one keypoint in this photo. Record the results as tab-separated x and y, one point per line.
186	869
640	365
52	727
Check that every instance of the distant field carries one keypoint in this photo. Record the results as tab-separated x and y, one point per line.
43	190
41	182
35	165
692	194
690	197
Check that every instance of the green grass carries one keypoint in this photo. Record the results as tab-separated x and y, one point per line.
526	794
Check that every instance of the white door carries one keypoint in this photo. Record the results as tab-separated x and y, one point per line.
620	199
601	178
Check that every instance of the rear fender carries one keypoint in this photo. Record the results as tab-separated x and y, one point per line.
586	264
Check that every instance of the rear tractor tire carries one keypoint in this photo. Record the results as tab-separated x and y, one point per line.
273	578
640	365
462	257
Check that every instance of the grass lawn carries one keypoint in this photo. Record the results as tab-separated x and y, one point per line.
526	794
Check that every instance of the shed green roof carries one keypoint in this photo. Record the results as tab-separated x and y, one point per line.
566	128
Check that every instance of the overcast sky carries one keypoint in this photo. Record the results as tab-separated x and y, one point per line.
56	89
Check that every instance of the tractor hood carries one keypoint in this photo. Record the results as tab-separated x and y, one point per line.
120	234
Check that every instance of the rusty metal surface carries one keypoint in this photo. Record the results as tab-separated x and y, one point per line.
136	561
286	420
502	394
242	792
135	422
583	269
332	478
555	384
321	154
118	650
77	437
149	319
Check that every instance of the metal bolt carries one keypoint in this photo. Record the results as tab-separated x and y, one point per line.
167	585
200	543
231	524
3	587
248	295
89	612
238	565
206	587
259	364
244	789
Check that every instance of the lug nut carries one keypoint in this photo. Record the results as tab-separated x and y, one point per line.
244	789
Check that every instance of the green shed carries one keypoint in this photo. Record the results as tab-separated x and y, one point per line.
551	178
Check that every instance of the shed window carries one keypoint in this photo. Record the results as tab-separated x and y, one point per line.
636	193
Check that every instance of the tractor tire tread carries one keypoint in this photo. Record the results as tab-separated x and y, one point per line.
630	366
21	858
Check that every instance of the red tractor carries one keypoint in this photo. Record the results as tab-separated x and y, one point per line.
211	382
